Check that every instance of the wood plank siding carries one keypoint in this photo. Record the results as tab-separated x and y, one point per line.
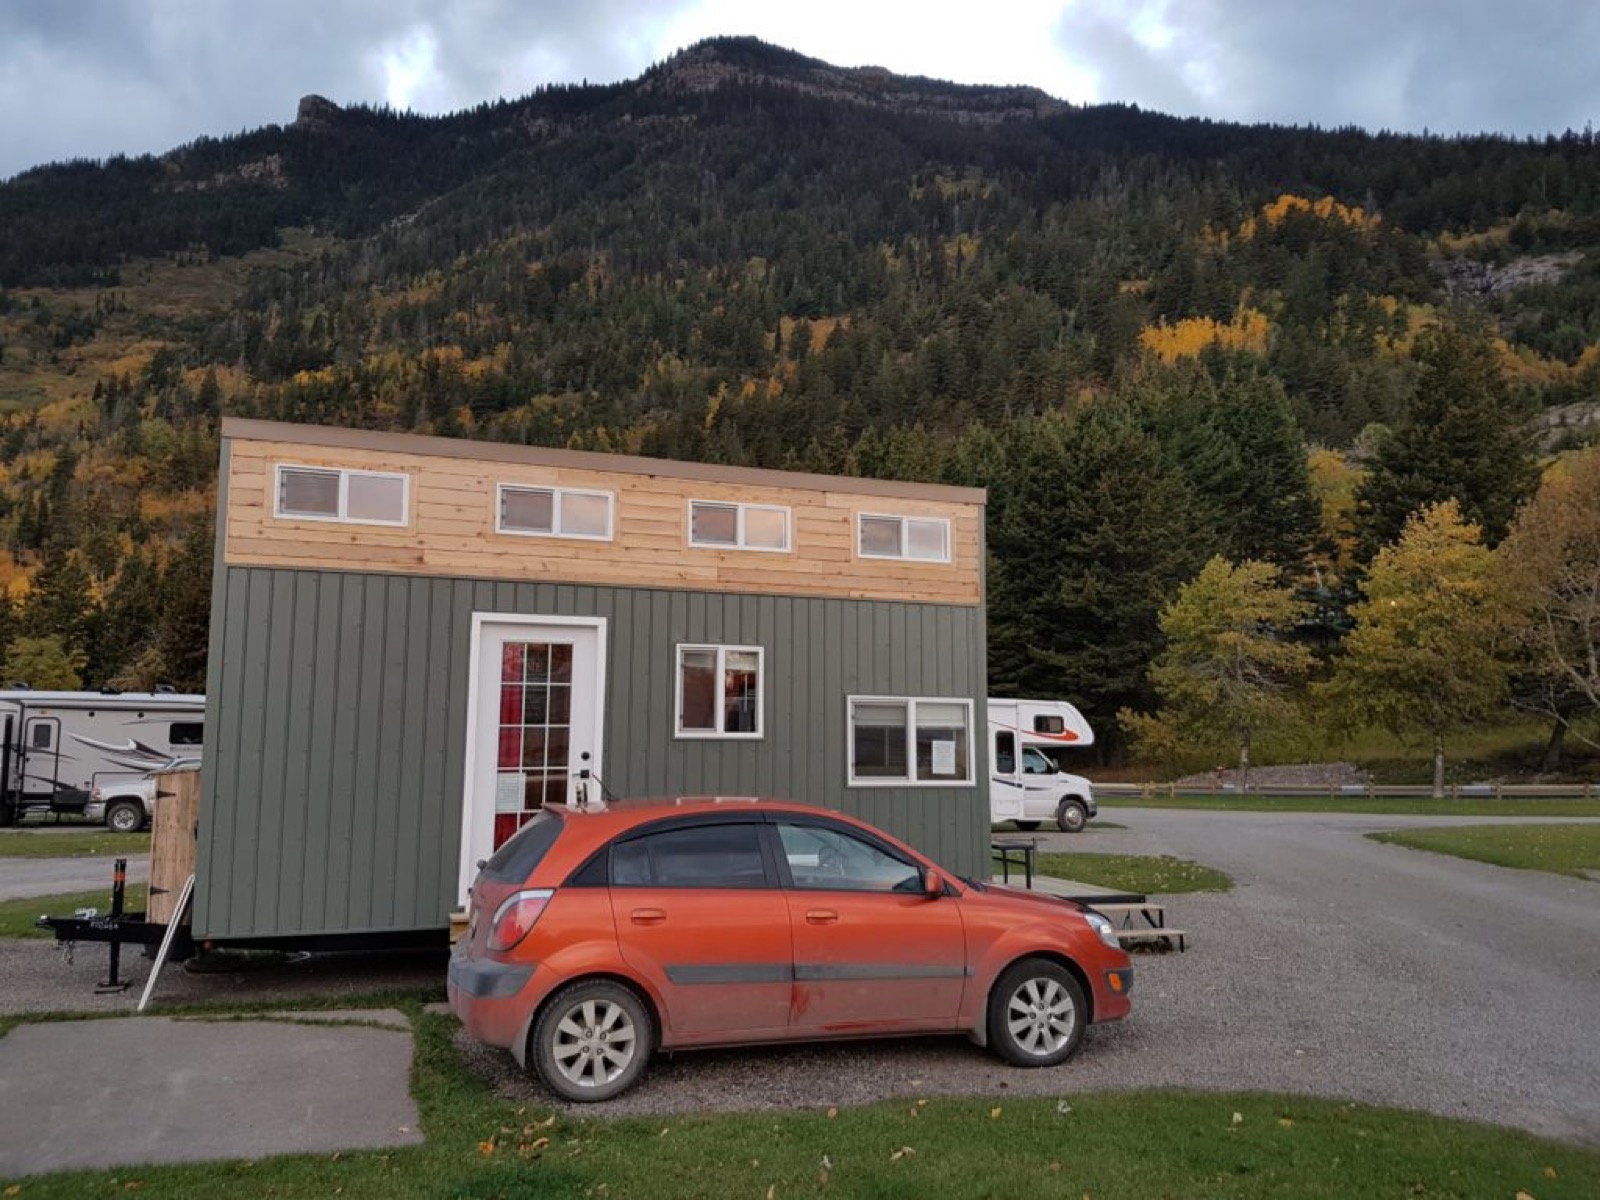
336	729
450	529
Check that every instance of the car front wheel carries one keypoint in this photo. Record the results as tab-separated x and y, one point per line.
1037	1014
592	1041
125	817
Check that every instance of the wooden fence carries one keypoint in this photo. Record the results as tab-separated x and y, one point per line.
1369	791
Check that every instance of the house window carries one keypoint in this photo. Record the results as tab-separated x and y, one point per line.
554	512
918	539
895	740
719	691
738	526
331	494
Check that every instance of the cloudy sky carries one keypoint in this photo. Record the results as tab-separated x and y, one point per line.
88	78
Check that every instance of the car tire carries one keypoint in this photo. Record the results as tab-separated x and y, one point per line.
1071	816
125	816
592	1041
1037	1014
1027	826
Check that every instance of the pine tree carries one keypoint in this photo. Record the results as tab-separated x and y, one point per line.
1466	440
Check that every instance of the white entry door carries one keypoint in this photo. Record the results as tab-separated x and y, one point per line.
533	723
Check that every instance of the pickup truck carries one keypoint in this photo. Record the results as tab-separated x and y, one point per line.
126	804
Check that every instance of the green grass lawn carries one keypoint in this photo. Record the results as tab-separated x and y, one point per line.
1147	874
1484	806
17	917
1112	1146
92	842
1561	849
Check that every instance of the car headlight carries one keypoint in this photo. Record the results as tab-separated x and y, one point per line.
1103	927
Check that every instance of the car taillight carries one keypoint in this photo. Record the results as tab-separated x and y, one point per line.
514	918
94	794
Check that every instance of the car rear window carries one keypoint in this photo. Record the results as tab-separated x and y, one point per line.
524	851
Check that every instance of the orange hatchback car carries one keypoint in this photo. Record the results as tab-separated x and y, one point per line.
598	936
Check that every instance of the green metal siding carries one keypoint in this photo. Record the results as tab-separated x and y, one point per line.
336	724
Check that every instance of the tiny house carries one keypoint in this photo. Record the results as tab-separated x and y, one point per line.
419	642
56	746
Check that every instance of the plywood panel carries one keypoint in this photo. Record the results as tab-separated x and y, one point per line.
451	529
172	841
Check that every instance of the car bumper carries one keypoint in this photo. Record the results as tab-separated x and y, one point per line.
95	810
486	996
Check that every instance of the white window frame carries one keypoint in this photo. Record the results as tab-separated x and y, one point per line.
345	474
905	540
910	781
741	508
721	700
558	495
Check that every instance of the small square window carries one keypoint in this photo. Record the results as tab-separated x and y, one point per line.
880	536
719	691
586	514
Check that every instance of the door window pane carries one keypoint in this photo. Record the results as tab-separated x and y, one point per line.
535	732
826	859
1005	752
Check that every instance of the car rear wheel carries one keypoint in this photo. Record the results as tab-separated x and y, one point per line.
1071	817
592	1041
125	817
1037	1014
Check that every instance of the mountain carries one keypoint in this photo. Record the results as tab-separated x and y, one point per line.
749	255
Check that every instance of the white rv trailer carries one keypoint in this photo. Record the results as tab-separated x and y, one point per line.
56	746
1025	785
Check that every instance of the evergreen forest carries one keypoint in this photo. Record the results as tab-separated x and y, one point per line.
1225	384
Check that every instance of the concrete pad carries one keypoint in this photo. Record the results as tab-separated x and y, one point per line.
106	1093
389	1018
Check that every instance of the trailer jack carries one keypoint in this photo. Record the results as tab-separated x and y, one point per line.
116	928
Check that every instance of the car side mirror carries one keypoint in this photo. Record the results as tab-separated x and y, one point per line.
932	883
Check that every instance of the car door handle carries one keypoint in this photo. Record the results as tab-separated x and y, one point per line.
648	916
821	916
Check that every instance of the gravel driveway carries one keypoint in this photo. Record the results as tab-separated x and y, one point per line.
1337	967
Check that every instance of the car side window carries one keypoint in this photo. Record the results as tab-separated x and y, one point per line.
701	856
1035	763
822	858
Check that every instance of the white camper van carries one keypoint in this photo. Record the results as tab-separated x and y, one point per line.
1025	785
56	747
